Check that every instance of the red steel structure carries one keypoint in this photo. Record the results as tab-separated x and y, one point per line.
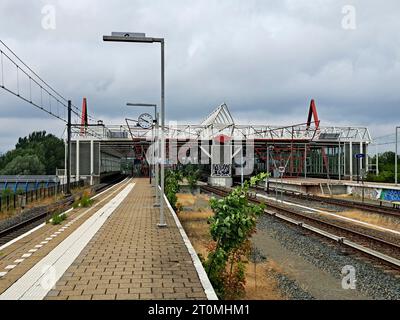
293	153
84	119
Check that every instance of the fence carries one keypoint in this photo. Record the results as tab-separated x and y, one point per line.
12	200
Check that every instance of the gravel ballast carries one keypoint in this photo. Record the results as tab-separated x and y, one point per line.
370	280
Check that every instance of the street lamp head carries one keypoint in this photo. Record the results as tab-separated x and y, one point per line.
131	37
141	105
128	34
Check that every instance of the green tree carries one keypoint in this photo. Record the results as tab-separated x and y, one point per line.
232	225
386	168
48	149
27	165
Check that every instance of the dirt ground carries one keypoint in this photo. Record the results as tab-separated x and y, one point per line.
390	222
194	215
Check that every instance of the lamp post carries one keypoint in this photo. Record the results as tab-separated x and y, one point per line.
141	38
68	168
241	167
396	157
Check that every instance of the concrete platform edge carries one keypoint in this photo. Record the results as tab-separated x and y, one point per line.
205	282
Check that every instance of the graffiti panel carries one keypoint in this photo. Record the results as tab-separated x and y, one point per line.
390	195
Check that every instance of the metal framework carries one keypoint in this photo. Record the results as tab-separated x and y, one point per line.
307	148
209	130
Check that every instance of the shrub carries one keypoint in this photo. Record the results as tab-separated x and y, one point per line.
172	187
192	175
232	225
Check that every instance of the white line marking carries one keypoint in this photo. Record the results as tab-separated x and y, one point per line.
10	267
43	224
22	236
2	274
44	242
334	215
29	286
26	255
38	246
48	239
205	282
33	250
19	260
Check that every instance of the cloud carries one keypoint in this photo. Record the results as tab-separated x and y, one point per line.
265	59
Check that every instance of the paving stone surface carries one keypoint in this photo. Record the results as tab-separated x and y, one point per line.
20	253
131	258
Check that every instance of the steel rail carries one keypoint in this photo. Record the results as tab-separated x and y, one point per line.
374	208
342	240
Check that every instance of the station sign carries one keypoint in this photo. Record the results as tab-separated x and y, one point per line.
360	156
282	169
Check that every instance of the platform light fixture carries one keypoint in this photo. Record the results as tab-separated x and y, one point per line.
396	159
136	37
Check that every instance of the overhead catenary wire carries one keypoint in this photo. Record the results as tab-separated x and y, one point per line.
33	78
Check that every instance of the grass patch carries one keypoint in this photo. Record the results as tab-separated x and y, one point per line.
58	218
84	202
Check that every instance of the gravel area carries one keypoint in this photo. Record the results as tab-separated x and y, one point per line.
290	288
380	234
371	281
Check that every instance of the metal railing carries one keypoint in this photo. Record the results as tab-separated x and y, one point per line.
10	200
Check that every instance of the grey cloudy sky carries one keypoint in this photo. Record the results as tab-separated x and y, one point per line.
265	58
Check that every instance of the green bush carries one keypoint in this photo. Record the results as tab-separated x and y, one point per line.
172	187
6	193
192	175
232	226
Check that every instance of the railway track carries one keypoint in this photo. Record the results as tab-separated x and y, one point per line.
39	215
374	208
384	250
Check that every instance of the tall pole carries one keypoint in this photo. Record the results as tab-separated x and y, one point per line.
339	160
351	160
162	217
267	180
241	161
157	157
396	159
358	170
305	161
150	165
68	169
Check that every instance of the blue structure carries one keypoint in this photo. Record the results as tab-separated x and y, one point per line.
26	183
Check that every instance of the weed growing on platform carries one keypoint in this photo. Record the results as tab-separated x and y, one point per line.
58	218
232	226
84	202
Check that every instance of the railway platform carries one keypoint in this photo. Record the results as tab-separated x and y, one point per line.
384	193
112	250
